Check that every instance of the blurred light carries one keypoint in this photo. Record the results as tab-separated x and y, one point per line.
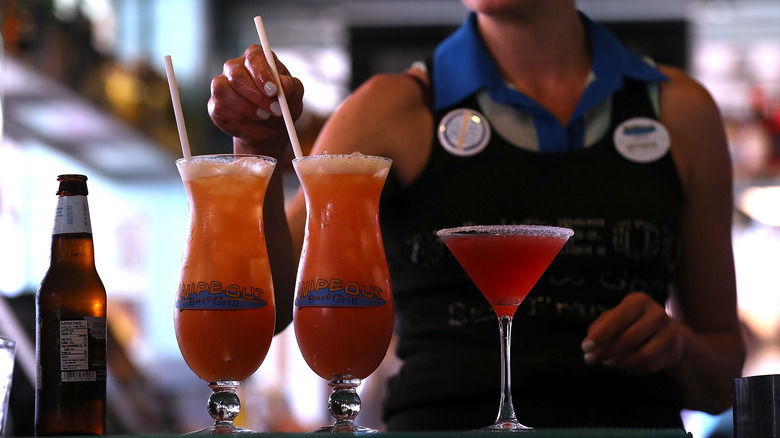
60	119
65	10
100	14
325	73
112	156
762	204
19	81
13	254
764	62
717	59
755	259
718	11
56	116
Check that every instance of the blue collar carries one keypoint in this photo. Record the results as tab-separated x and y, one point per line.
463	66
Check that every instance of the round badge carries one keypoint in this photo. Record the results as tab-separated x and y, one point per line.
641	140
464	132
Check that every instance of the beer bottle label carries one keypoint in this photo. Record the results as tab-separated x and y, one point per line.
72	215
335	292
82	349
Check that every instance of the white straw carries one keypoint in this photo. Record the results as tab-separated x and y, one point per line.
269	57
185	143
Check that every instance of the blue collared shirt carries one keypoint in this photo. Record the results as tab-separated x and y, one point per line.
463	66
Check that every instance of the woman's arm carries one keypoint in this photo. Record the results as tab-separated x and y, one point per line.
386	116
700	343
243	104
705	299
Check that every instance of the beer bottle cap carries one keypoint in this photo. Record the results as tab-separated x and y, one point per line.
72	184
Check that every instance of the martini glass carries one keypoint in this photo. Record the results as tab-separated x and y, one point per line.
505	261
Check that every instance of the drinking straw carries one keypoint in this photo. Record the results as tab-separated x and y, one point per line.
269	57
185	143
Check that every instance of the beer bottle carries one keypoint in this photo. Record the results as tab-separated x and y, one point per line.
70	335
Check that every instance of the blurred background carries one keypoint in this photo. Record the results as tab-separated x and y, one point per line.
83	90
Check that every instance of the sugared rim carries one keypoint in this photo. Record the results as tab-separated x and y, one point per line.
507	230
328	156
224	157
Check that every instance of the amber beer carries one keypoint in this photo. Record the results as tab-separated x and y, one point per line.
70	336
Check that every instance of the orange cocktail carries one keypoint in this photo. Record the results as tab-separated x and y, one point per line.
225	311
343	313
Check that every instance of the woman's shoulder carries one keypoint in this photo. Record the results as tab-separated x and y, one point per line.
396	90
387	115
684	93
695	125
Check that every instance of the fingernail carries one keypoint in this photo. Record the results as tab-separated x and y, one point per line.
276	109
590	358
263	114
588	346
270	89
609	363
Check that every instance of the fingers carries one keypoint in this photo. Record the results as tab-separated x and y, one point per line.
226	103
246	89
260	72
613	322
250	78
659	352
637	335
256	69
293	91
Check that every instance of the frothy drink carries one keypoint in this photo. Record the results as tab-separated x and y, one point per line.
343	314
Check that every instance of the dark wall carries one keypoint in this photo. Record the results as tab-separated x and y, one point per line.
665	41
393	49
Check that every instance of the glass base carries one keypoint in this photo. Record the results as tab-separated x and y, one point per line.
345	427
224	406
219	428
344	406
506	426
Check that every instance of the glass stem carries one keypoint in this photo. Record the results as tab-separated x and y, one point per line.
344	402
224	404
506	412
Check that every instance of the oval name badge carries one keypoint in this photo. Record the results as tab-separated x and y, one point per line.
464	132
641	140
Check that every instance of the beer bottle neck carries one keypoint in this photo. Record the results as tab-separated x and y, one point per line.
72	215
72	234
73	248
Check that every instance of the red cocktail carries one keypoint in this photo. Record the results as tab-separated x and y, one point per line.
505	261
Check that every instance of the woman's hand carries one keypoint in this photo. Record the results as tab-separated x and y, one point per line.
637	335
244	105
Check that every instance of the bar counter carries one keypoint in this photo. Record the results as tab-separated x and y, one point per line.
538	433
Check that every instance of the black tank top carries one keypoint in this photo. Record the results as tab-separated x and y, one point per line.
625	215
